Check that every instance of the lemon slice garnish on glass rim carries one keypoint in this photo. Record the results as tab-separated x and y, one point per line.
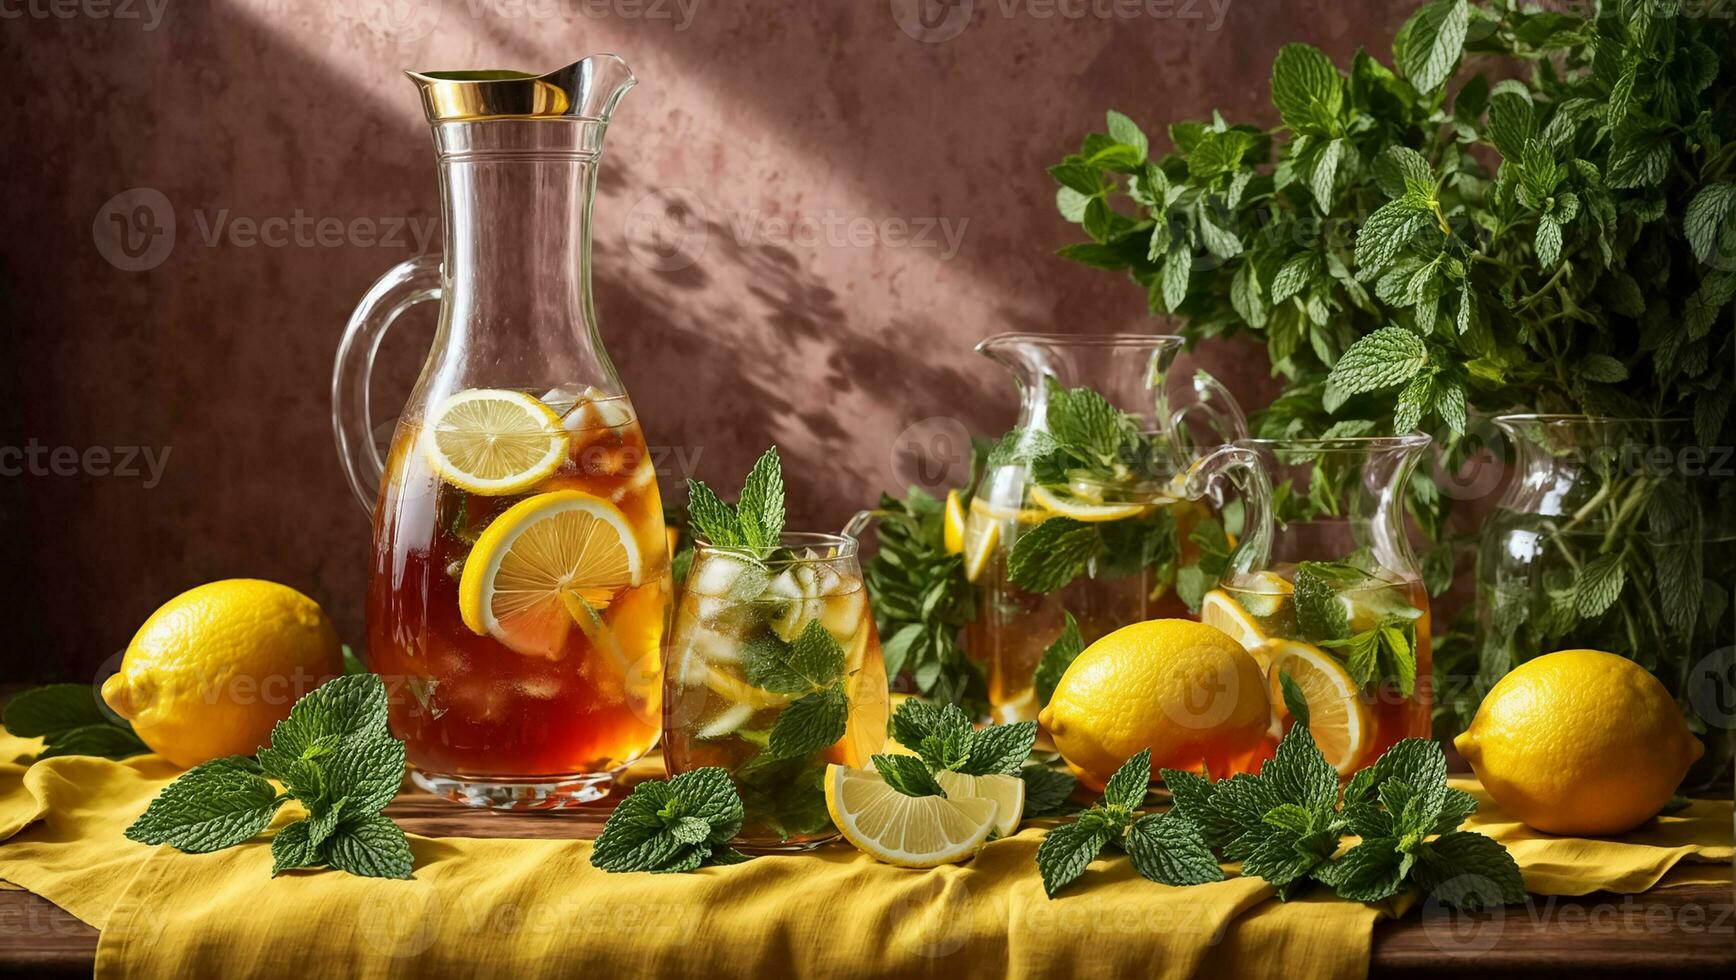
494	441
908	831
1084	510
1336	717
517	577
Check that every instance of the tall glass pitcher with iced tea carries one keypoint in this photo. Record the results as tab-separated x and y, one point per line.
1093	469
520	586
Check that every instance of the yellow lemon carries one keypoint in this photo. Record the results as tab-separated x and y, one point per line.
1580	742
908	831
213	669
952	531
1183	689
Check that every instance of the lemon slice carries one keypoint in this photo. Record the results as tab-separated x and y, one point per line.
1028	515
1083	510
1336	716
981	536
1008	792
955	519
908	831
494	441
516	577
1218	610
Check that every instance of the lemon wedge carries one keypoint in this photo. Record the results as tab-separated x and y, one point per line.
1336	716
516	579
1008	792
955	520
908	831
1083	510
1219	610
995	512
982	535
494	441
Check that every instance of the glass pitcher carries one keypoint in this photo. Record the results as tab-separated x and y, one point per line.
1323	586
1633	503
1127	500
520	586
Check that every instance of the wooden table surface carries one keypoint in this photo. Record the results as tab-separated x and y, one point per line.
1688	931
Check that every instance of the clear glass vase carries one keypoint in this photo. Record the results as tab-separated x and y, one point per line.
1613	535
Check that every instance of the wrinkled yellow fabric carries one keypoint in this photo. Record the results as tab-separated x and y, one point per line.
537	908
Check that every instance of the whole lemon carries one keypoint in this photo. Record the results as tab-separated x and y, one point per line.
1185	690
213	669
1579	742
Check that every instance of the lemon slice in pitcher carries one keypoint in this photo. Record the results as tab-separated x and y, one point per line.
517	576
1084	510
1336	716
908	831
494	441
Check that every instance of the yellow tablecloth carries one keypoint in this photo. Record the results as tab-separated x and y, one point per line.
536	908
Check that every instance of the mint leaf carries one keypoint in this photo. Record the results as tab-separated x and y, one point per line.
813	662
809	724
365	774
1066	852
1385	358
1168	849
1318	611
1468	871
354	705
293	847
673	825
1128	786
1307	90
1707	225
999	749
916	720
1126	132
1052	554
1372	871
371	846
760	512
908	775
1299	775
1046	790
1057	657
715	520
1084	421
1599	585
1428	46
69	721
209	807
1295	701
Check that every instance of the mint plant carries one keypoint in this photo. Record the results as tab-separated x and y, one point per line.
333	755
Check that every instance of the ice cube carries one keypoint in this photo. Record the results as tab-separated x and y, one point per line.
844	612
562	399
727	721
797	591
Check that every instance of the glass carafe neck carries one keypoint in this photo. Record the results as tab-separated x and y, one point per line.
517	270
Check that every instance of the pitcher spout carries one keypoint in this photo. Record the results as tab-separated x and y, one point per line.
589	88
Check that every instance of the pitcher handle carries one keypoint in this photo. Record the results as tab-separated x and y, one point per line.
410	282
1246	471
1211	398
859	523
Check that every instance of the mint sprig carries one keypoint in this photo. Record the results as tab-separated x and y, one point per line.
944	739
333	755
69	721
812	666
671	825
1165	848
755	522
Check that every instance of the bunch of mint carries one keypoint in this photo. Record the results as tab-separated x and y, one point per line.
944	739
755	522
678	824
333	755
70	721
1164	847
1385	650
1286	824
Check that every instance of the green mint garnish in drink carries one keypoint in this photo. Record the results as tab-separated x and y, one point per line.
755	521
1341	606
333	755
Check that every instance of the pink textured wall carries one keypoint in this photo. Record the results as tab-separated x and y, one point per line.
829	334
